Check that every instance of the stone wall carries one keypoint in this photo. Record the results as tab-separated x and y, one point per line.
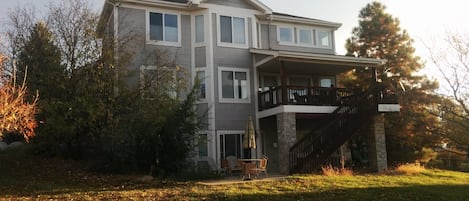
286	133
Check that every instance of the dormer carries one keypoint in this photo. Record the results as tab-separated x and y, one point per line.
293	33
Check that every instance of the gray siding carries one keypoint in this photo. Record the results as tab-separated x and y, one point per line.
202	113
232	116
133	26
231	3
200	57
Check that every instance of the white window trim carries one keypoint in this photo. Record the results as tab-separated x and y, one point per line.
332	78
147	26
292	31
198	69
220	88
232	44
316	36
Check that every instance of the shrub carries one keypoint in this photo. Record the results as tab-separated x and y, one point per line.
329	170
408	169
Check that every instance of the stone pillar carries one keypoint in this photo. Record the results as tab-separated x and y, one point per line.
378	155
286	136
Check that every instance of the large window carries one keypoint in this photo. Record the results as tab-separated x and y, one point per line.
285	35
234	85
199	29
323	38
163	28
157	81
200	75
305	37
232	30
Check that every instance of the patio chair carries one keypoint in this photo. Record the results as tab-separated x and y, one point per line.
233	164
262	167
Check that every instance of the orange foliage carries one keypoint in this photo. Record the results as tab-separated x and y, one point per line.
16	114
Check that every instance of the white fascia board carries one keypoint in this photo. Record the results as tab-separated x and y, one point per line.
389	108
299	109
314	22
158	3
261	6
323	57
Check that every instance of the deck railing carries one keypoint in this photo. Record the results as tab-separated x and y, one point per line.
298	95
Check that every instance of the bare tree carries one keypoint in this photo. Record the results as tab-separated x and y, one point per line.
452	61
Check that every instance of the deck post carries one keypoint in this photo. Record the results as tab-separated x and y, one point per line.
283	83
286	137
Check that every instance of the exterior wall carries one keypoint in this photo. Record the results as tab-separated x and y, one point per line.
132	24
200	57
231	3
232	116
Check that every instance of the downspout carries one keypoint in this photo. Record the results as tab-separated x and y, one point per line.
270	18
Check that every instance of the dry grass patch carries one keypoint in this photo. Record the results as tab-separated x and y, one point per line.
332	171
409	169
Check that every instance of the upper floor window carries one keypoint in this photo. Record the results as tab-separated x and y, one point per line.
199	29
305	37
234	85
285	34
163	28
157	81
232	31
323	38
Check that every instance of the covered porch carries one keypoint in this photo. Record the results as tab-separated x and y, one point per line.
297	93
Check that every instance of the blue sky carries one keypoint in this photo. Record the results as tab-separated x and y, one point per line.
426	21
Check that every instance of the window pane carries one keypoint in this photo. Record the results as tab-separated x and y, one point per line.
199	28
225	29
203	148
227	84
286	34
239	35
156	26
323	38
305	36
325	82
241	85
201	78
171	27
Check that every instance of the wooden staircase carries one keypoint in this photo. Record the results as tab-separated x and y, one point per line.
310	152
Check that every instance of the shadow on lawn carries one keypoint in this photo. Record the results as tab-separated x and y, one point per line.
411	192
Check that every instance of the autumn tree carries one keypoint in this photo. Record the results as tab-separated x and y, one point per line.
379	36
17	115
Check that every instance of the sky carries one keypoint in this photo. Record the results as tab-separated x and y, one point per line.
426	21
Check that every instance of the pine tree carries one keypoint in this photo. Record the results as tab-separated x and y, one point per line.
379	36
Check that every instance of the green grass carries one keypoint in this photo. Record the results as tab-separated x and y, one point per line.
26	177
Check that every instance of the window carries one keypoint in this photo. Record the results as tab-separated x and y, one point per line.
285	35
199	29
230	144
323	39
163	27
234	85
304	37
200	75
232	30
202	145
326	82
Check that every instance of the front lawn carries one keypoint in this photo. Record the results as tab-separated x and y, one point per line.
28	177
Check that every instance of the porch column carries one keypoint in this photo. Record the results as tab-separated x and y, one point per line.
286	136
283	83
378	154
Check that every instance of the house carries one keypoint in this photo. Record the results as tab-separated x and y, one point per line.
278	68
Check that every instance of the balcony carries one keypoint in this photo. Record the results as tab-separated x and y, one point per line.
314	96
